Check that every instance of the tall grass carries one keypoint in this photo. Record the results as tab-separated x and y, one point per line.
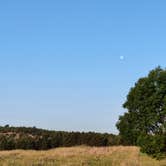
79	156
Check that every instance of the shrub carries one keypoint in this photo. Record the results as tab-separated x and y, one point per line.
153	145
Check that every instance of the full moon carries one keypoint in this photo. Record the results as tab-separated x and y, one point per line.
121	57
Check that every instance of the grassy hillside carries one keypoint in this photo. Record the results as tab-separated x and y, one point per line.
79	156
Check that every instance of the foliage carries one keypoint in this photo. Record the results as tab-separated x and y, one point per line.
39	139
152	144
145	121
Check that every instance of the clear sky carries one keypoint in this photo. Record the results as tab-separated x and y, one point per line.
68	65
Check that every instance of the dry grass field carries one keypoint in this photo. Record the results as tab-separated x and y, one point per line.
79	156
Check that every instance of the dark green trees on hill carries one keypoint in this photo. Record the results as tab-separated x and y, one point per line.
39	139
145	122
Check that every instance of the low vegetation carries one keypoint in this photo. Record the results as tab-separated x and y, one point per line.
79	156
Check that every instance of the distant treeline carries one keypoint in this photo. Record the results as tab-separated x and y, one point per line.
39	139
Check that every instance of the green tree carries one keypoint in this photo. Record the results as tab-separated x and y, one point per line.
146	105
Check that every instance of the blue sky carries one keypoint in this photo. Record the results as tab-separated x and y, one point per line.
60	65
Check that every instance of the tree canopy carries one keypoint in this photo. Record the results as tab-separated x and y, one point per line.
39	139
145	120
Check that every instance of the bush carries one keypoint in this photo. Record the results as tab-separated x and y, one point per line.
153	145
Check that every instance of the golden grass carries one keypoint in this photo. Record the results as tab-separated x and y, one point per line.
79	156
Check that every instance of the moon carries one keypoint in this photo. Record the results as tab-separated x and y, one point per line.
121	57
